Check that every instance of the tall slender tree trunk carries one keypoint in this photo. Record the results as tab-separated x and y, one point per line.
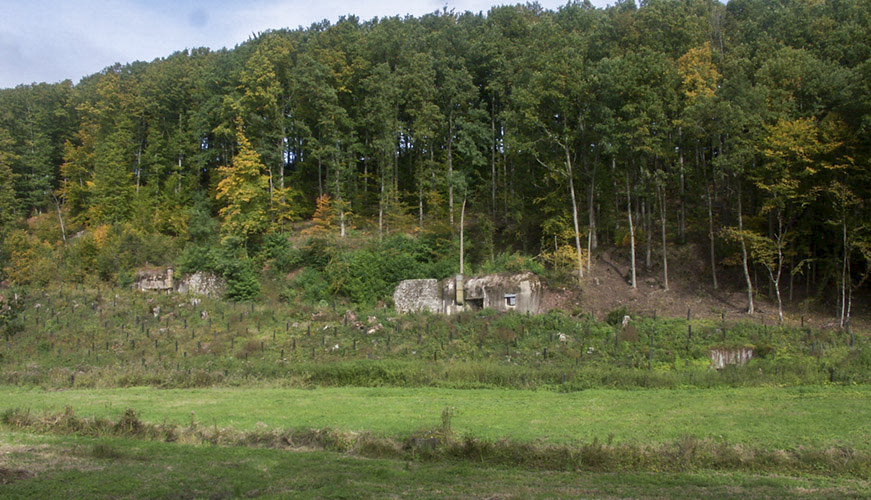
648	232
575	216
631	229
744	265
779	273
60	219
710	218
451	167
339	201
683	213
506	184
493	157
592	242
284	147
462	236
661	191
844	275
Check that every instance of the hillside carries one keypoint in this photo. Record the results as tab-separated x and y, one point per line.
736	130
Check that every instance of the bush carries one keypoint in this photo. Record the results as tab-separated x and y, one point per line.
616	316
228	260
282	256
242	282
313	285
27	259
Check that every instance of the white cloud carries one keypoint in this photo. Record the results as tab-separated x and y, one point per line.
50	41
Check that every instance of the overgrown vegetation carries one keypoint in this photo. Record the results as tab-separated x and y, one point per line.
104	337
737	127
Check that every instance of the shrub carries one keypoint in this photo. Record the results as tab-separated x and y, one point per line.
313	285
282	256
28	260
615	317
229	260
242	282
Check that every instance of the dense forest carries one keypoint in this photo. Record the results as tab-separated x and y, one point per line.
740	128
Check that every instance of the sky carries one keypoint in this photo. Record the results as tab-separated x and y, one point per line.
51	41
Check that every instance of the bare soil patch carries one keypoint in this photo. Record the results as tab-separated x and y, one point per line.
607	287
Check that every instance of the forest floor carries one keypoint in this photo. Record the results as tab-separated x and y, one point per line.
607	288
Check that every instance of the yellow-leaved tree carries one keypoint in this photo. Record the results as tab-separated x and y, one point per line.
244	191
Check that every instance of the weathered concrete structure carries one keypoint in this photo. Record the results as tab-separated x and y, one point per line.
198	283
418	295
154	279
519	292
722	357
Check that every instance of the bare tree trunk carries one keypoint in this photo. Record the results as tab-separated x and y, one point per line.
631	229
844	277
462	239
710	218
661	191
592	242
681	231
340	203
451	167
60	219
285	155
178	179
575	216
493	157
420	205
645	220
849	295
750	308
776	279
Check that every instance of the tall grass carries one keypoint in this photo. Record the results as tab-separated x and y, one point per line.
107	337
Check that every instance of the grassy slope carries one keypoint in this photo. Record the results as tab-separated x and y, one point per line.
85	337
73	467
774	418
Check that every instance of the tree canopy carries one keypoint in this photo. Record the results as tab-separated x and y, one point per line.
730	125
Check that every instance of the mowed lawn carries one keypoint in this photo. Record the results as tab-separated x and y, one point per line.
766	417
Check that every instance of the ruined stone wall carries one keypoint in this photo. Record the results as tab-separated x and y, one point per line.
200	283
154	280
418	295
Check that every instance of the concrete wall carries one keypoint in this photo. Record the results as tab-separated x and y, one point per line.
198	283
480	292
418	295
154	280
722	357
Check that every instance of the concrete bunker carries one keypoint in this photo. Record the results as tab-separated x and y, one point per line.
519	292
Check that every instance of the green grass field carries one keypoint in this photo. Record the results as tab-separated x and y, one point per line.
763	417
261	401
63	467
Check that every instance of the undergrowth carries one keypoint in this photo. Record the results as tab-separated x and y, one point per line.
97	338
